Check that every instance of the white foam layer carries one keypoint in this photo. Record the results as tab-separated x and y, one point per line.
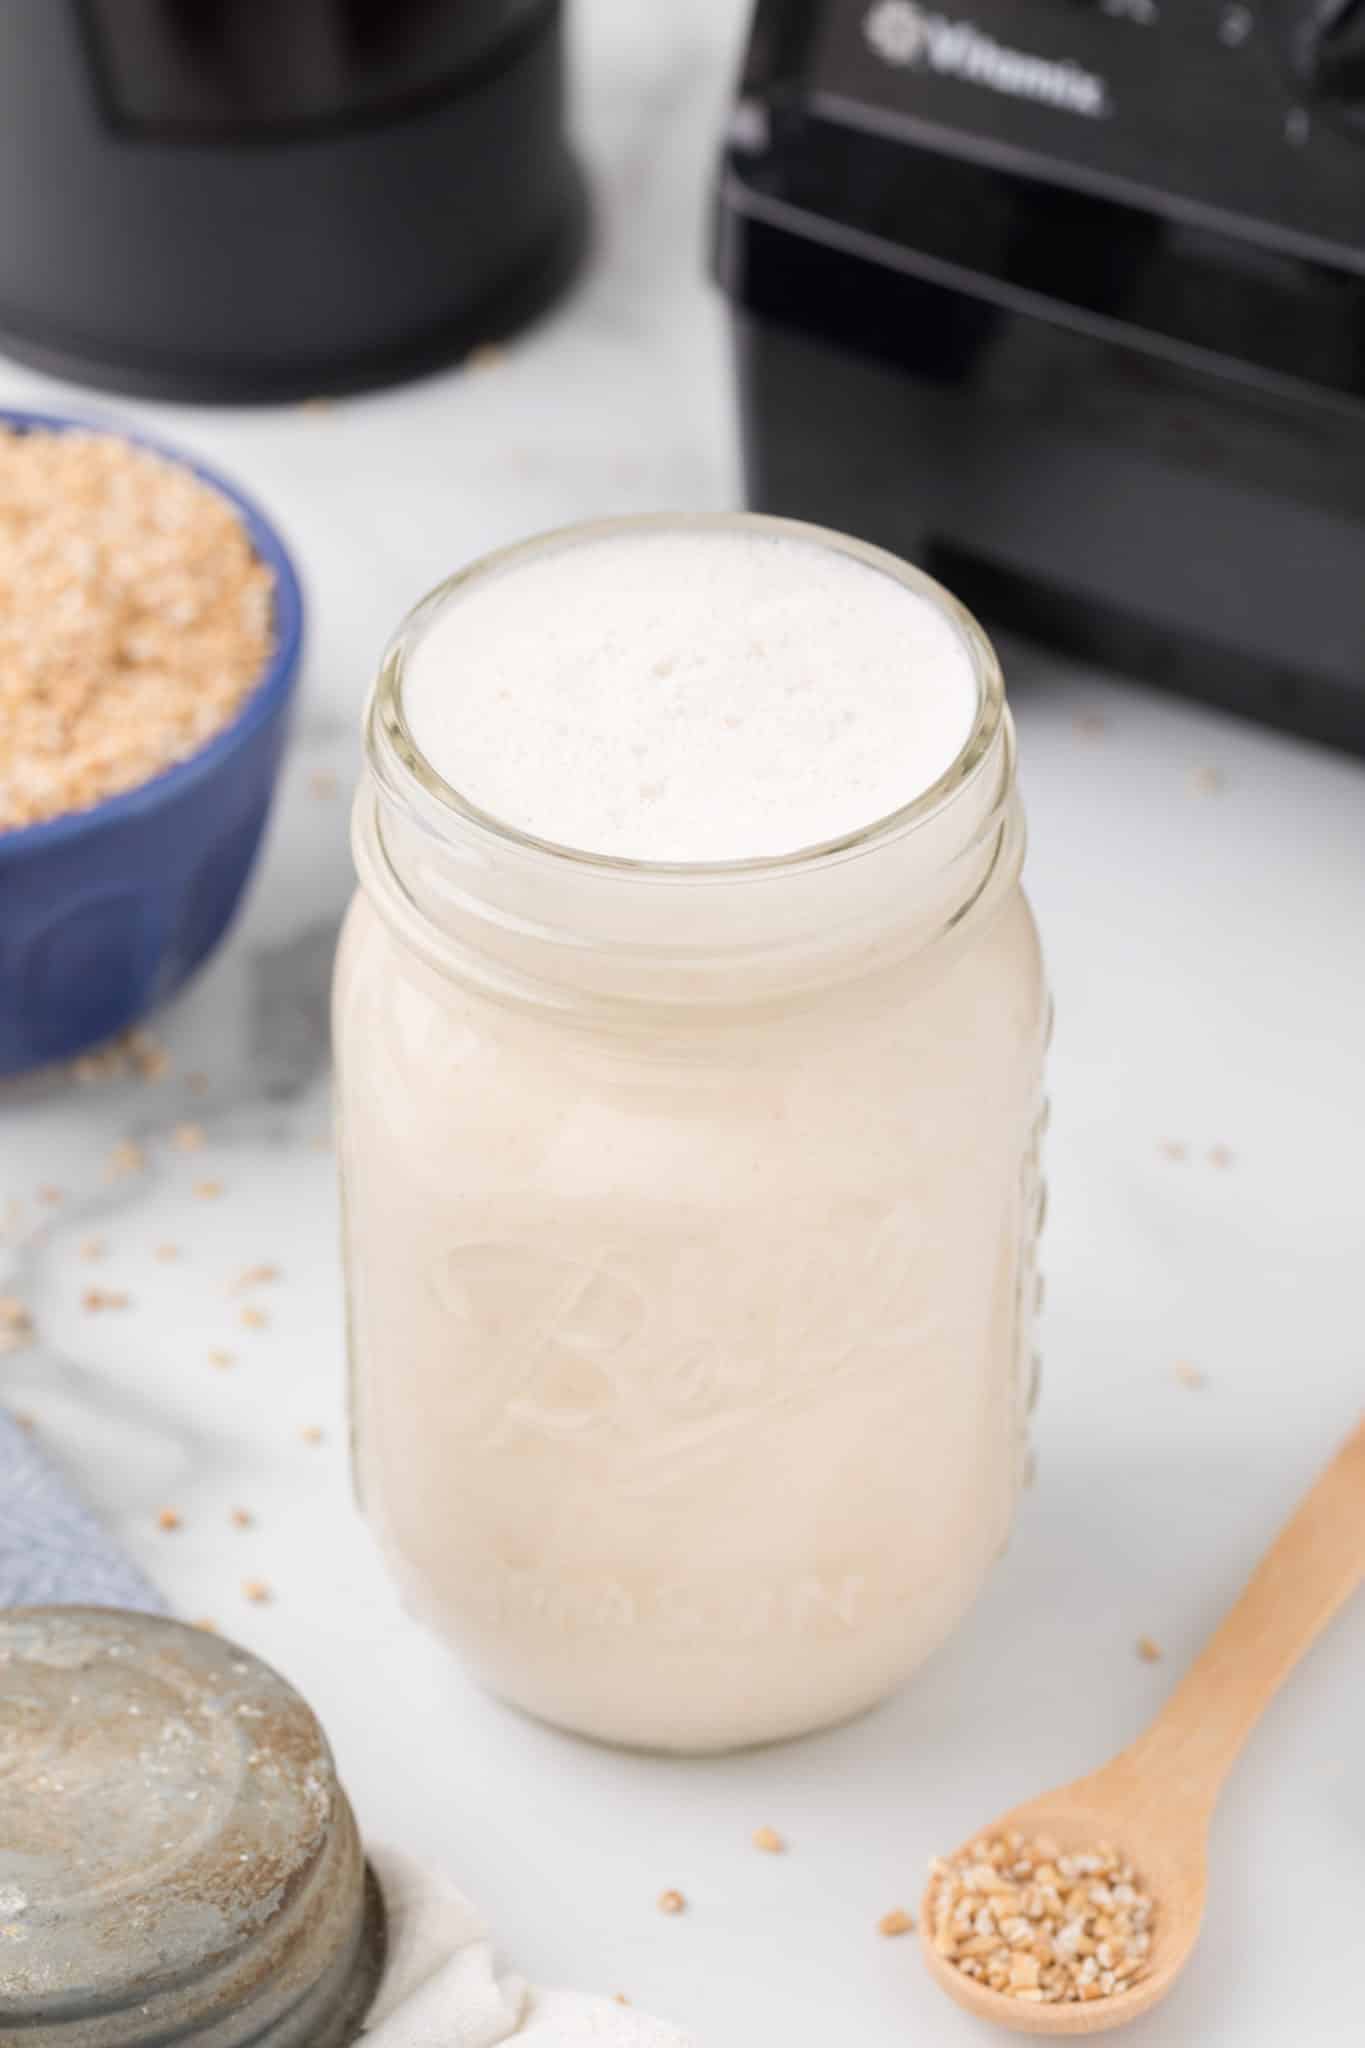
690	695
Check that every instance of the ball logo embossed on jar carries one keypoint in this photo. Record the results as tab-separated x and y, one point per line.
547	1329
676	1364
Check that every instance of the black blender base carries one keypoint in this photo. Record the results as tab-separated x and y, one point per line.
1112	547
256	205
1115	637
512	305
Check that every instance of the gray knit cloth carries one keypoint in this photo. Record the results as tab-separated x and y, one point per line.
53	1552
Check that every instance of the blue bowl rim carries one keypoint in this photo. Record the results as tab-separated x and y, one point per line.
264	700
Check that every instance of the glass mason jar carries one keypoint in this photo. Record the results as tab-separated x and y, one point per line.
690	1218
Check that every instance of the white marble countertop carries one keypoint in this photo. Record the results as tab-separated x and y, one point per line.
1201	887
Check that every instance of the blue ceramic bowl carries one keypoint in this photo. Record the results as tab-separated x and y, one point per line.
105	913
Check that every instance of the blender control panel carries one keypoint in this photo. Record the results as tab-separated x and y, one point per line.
1255	111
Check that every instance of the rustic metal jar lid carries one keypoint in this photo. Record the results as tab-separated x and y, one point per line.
178	1862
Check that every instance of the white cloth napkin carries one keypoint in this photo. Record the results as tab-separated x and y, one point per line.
442	1988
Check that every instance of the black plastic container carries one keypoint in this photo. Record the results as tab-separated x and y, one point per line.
273	199
1067	304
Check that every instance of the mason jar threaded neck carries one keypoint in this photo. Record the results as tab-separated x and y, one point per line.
481	898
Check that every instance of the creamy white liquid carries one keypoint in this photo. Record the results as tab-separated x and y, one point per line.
690	695
690	1316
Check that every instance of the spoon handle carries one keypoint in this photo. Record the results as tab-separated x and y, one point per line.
1313	1566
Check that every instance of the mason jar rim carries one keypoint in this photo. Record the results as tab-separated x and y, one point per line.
398	760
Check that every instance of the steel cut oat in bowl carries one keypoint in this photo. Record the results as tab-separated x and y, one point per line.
135	619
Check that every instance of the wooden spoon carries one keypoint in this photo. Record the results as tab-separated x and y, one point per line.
1155	1800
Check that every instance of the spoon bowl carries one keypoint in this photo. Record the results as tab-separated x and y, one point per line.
1172	1868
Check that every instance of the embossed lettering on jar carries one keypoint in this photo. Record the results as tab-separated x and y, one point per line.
690	1221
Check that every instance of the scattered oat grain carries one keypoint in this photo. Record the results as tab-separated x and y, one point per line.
1221	1156
311	1434
198	1084
322	785
1149	1651
150	1059
1174	1149
21	1418
131	1053
217	1356
125	1159
1207	781
240	1518
897	1921
672	1902
255	1276
168	1519
769	1841
16	1324
166	1253
96	1299
188	1137
52	1196
257	1591
93	1248
204	1622
488	355
208	1190
254	1318
1190	1375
